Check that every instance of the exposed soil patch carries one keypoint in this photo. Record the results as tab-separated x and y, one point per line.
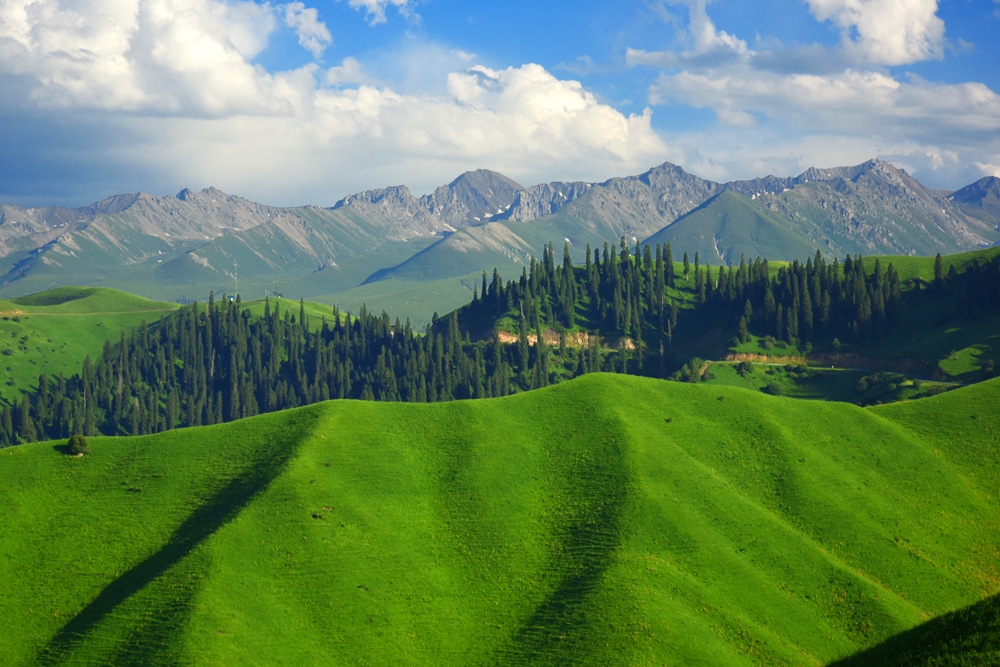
847	360
575	339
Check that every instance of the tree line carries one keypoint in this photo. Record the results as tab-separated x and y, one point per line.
215	362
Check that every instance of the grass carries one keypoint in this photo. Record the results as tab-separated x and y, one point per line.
799	380
52	331
607	520
413	299
314	311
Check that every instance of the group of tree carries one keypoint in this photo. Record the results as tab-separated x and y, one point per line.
216	362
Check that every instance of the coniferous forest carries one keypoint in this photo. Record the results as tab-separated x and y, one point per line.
215	362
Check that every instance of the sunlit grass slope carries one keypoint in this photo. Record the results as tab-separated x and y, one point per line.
53	331
607	520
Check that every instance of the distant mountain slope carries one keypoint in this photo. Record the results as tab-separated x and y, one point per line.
634	207
875	208
182	247
872	208
609	521
729	225
980	199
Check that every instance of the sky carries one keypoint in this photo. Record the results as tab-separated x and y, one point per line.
308	101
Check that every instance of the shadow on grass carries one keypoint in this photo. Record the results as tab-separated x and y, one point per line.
969	636
217	510
564	627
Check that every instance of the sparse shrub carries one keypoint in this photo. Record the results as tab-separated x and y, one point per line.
771	389
892	386
862	386
801	368
917	384
744	368
767	343
78	445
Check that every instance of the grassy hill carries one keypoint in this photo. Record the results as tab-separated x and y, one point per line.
608	520
53	331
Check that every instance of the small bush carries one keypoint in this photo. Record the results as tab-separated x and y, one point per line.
78	445
771	388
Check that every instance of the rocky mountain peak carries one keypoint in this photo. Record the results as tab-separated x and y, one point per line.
398	195
472	198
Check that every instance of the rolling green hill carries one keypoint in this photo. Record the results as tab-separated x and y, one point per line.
53	331
608	520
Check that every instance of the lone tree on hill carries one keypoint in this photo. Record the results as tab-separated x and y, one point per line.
78	445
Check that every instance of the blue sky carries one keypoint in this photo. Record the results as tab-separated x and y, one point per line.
305	102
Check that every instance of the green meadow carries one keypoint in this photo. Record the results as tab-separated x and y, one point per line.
51	332
609	520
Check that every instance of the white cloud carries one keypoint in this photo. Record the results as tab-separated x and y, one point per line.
312	33
171	85
812	105
349	71
885	32
163	56
520	121
989	169
856	101
707	47
375	9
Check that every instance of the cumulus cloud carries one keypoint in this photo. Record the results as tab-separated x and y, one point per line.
886	32
375	9
163	56
349	71
851	101
312	33
815	105
168	89
521	121
706	47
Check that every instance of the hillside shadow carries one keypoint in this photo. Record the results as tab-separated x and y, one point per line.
564	625
969	636
220	508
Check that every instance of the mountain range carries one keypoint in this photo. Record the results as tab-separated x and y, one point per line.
181	247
